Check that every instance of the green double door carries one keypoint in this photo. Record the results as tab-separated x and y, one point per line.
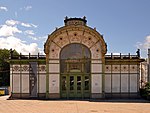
75	86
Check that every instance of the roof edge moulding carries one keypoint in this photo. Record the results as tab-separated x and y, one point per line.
75	21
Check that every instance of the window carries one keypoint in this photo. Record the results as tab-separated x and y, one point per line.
75	57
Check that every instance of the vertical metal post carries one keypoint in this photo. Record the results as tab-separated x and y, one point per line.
111	79
129	80
148	75
138	78
20	77
12	81
111	74
38	76
103	76
141	75
120	76
47	76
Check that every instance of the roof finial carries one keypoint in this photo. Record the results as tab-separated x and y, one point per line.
84	17
138	52
66	18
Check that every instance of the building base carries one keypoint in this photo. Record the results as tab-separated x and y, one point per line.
97	96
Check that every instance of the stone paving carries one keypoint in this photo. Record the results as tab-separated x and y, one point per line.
73	106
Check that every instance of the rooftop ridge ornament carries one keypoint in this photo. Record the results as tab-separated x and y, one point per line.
75	21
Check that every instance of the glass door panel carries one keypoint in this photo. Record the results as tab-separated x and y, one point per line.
79	87
86	83
71	83
86	86
64	83
71	89
79	83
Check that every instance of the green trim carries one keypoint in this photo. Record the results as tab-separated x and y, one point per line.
41	61
103	78
75	93
47	81
123	61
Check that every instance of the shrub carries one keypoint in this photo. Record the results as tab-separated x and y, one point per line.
145	92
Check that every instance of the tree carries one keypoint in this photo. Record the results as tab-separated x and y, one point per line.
145	91
5	66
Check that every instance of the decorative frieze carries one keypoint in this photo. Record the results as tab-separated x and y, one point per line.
54	51
25	68
96	51
121	69
42	68
61	40
16	68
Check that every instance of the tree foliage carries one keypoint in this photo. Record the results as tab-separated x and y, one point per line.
5	67
145	92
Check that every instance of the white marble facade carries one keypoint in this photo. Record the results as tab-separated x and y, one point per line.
19	79
87	38
105	78
121	78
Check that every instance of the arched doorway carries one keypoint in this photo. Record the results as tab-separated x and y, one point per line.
75	69
67	66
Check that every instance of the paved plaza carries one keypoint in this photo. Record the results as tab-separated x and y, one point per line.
73	106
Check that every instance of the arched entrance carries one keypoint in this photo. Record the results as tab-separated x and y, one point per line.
75	61
75	69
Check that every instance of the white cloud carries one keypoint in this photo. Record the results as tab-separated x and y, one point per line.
27	8
3	8
32	37
43	37
9	40
29	32
15	22
34	25
6	30
28	25
145	44
19	45
11	22
10	28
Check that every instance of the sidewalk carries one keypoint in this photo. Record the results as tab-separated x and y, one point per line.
4	97
71	106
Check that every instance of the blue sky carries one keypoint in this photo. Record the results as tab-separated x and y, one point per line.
125	24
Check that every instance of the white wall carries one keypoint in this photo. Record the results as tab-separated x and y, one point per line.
108	83
54	68
115	83
124	83
54	83
42	83
25	83
128	81
133	83
19	79
42	79
16	83
96	68
96	83
25	78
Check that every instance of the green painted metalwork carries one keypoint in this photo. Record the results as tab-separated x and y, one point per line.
103	77
75	68
75	85
47	81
